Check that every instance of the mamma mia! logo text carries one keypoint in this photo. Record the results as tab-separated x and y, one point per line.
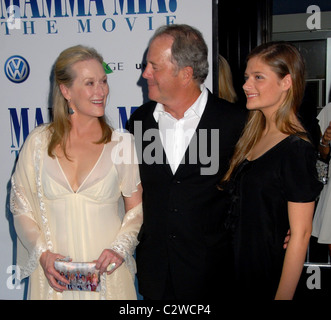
26	15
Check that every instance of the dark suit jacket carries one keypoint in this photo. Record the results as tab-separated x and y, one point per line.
183	212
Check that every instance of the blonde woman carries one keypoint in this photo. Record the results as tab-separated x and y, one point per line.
68	184
272	177
225	84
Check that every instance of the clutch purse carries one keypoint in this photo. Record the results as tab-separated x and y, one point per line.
83	276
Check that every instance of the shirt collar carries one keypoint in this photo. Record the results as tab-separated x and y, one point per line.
197	107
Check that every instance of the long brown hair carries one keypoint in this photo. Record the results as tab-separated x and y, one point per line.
283	58
63	74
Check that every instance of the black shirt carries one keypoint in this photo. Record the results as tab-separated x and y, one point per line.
259	216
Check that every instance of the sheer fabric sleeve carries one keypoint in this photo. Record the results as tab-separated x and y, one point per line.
298	173
126	163
126	240
128	171
23	205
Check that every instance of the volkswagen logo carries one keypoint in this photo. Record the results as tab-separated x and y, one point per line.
17	69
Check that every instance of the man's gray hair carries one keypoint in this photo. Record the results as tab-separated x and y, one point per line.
189	49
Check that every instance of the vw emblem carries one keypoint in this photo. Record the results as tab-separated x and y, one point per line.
17	69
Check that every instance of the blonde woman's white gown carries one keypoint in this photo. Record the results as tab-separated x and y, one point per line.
49	215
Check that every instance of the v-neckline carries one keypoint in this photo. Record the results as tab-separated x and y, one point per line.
88	175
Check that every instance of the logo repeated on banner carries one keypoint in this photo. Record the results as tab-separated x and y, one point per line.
17	69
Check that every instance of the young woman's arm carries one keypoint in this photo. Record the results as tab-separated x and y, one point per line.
300	218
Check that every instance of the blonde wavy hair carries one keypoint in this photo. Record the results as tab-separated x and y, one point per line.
225	84
64	74
283	58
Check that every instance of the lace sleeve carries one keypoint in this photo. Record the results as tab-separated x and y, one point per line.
25	204
126	240
27	229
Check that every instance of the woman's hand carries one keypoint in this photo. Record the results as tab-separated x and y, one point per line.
108	261
47	260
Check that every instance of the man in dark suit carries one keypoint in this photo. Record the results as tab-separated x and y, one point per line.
185	137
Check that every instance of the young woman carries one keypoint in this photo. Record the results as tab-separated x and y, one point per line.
272	177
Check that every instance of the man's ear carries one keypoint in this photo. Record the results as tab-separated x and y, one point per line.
187	74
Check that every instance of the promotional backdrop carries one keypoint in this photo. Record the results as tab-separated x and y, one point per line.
32	35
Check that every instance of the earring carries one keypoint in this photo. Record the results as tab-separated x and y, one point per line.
70	110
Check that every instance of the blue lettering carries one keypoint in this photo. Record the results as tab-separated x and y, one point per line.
82	27
104	25
123	117
58	8
49	7
173	5
34	9
142	7
5	7
26	27
38	118
83	8
170	20
18	125
61	8
162	6
51	27
129	22
150	23
99	6
130	7
6	27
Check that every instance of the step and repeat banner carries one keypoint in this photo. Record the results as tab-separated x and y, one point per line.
32	35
